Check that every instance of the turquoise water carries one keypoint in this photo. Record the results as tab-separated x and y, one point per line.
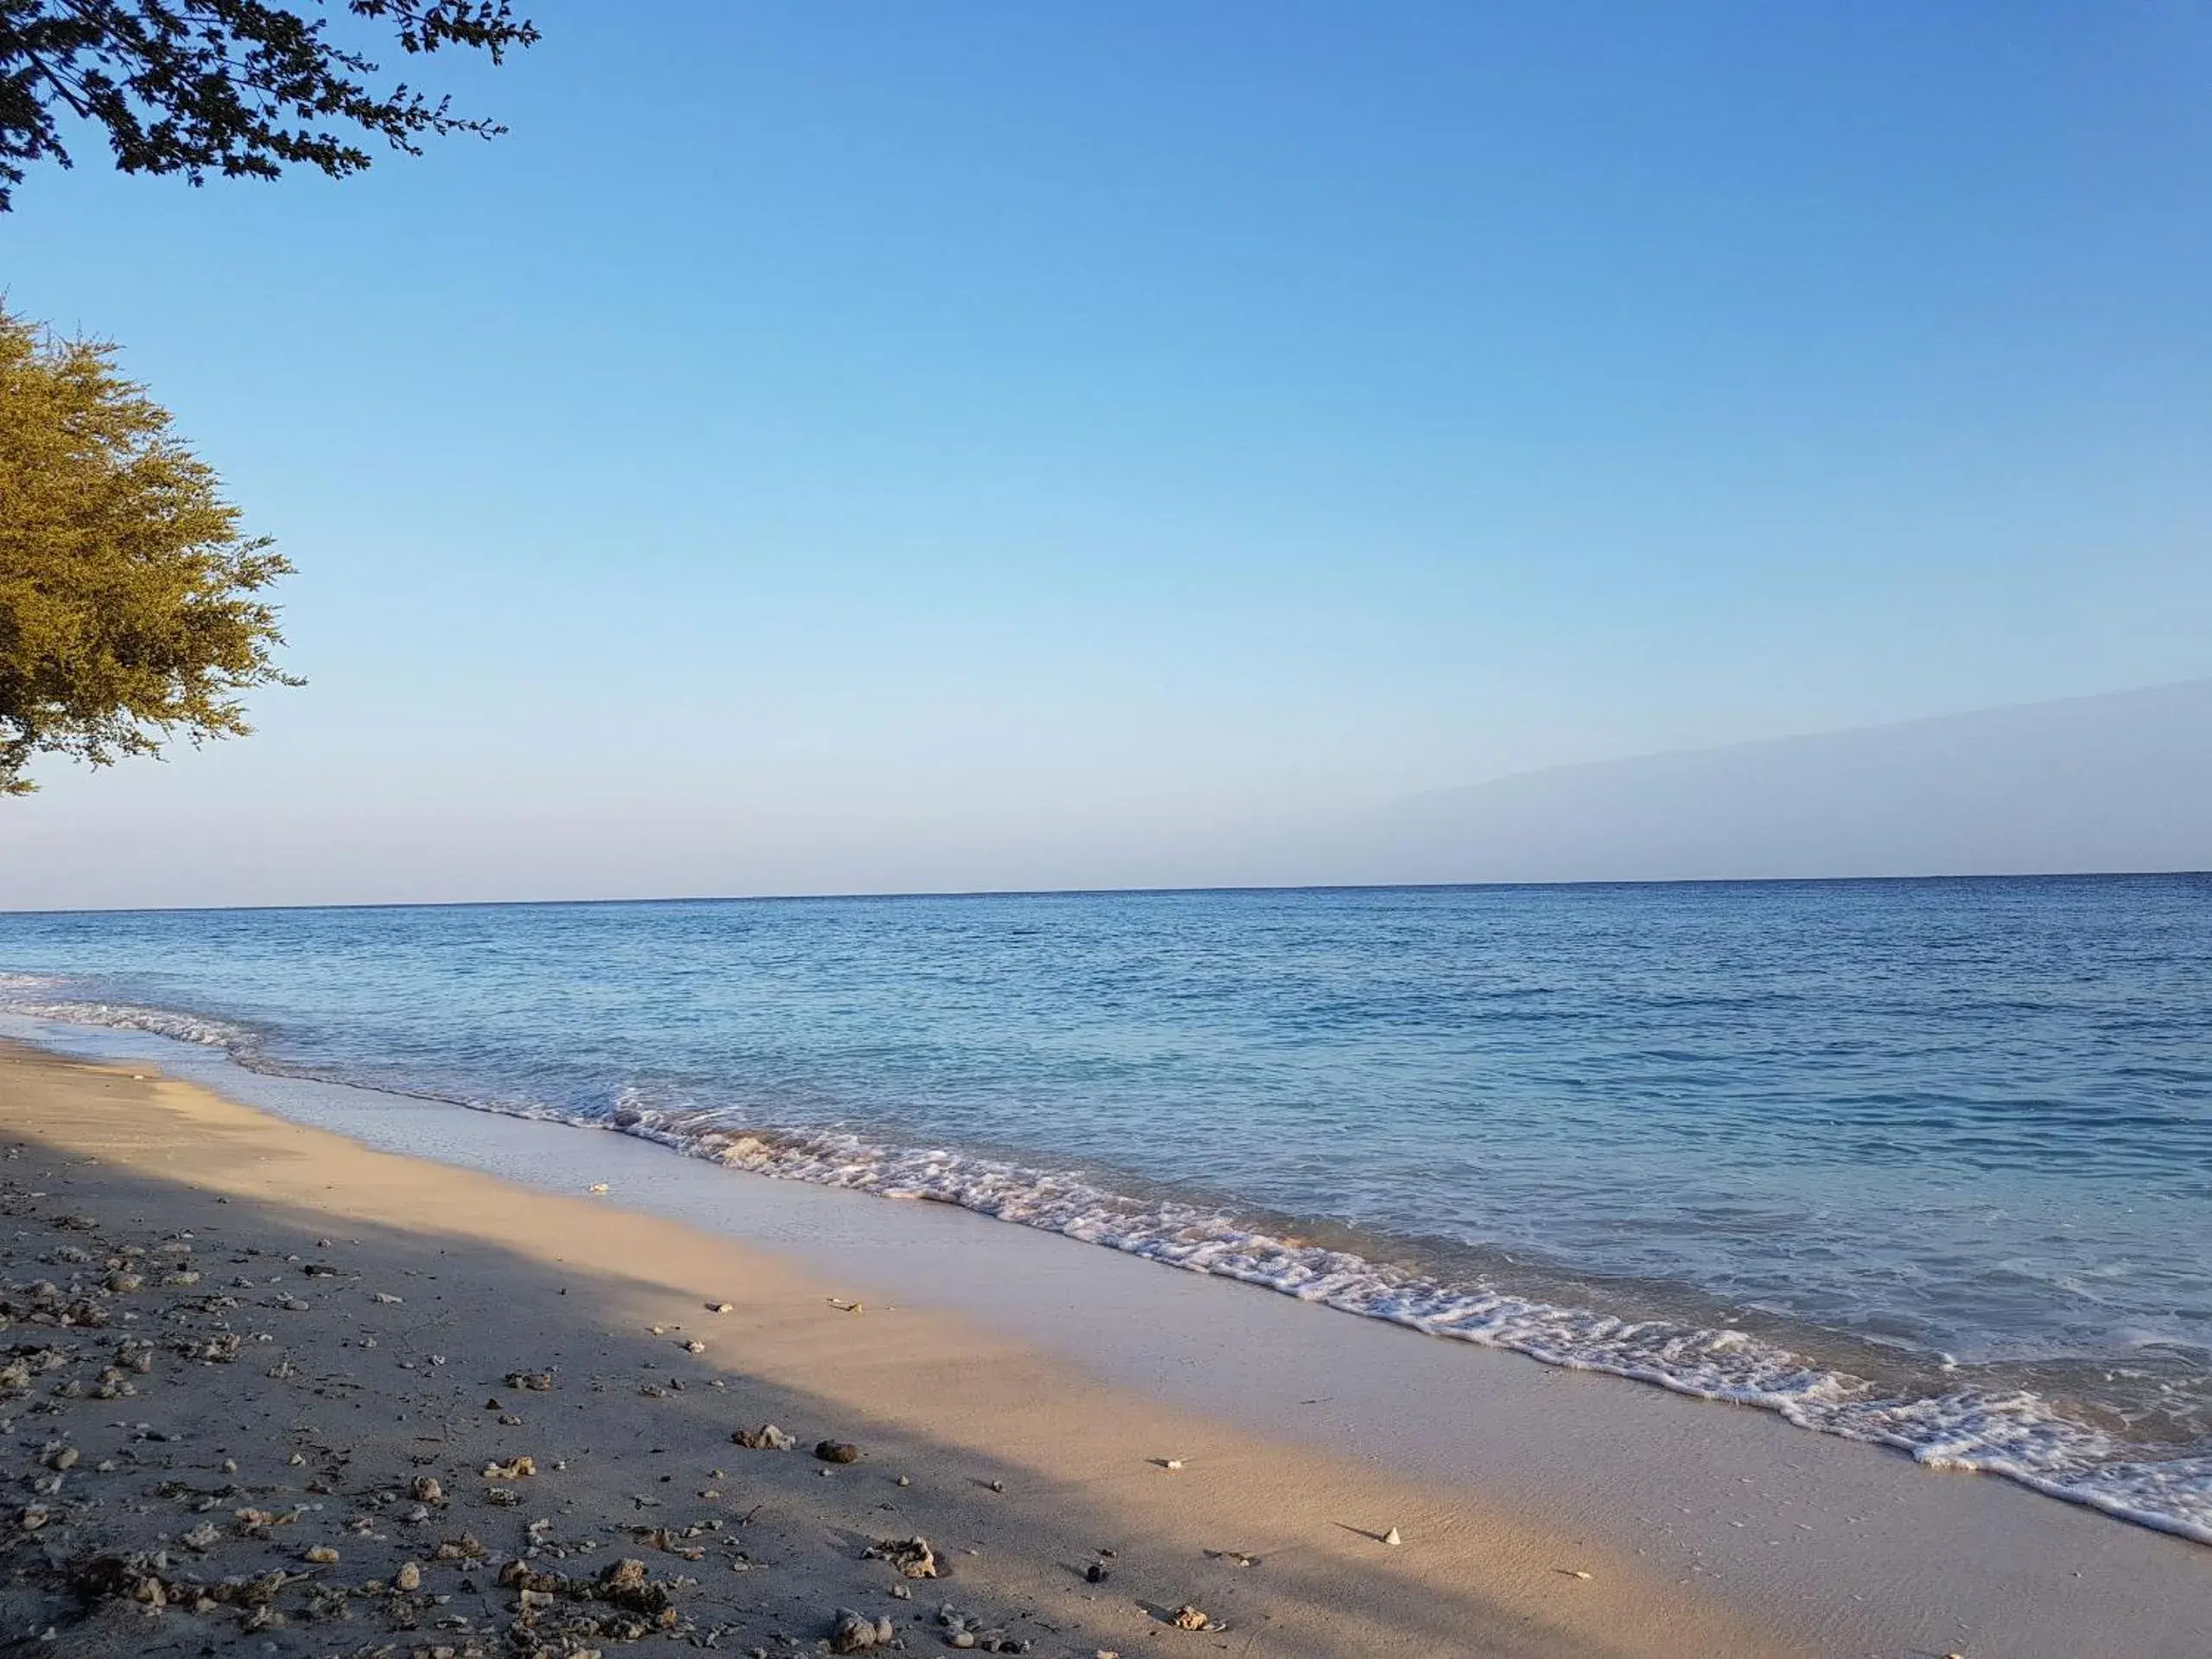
1929	1162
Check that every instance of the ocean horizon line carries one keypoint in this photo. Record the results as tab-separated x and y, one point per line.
1158	890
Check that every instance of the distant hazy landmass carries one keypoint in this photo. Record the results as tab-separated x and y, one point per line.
2114	783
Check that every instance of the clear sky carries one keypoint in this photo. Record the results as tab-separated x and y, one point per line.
872	445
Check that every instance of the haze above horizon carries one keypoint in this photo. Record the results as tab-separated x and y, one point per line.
972	444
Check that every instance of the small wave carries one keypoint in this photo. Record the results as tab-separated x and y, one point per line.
116	1016
2018	1434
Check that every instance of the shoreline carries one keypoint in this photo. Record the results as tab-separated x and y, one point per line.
1814	1381
1720	1519
1023	1471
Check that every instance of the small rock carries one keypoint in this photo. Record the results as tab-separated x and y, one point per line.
960	1639
623	1578
852	1632
767	1437
1098	1573
64	1459
322	1555
838	1451
1392	1538
1187	1617
513	1469
408	1577
427	1490
722	1307
386	1298
695	1346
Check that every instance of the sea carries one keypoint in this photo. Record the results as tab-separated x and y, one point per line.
1926	1163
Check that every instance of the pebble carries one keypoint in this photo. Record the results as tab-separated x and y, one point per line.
695	1346
853	1632
722	1307
408	1577
427	1490
1392	1538
322	1555
838	1451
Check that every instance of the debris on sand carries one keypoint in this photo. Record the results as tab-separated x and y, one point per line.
1187	1617
913	1556
767	1437
838	1451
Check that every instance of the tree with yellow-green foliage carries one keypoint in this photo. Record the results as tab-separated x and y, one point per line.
129	608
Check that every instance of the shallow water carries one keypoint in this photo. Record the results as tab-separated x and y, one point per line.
1927	1162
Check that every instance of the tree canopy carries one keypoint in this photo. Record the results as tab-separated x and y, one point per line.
129	613
235	88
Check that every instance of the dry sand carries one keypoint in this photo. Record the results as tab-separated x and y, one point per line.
255	1337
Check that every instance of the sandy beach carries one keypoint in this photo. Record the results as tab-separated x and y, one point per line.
272	1389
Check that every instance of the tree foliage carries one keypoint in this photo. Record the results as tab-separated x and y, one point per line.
235	88
129	613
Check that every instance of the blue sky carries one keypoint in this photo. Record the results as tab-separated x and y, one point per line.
962	444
